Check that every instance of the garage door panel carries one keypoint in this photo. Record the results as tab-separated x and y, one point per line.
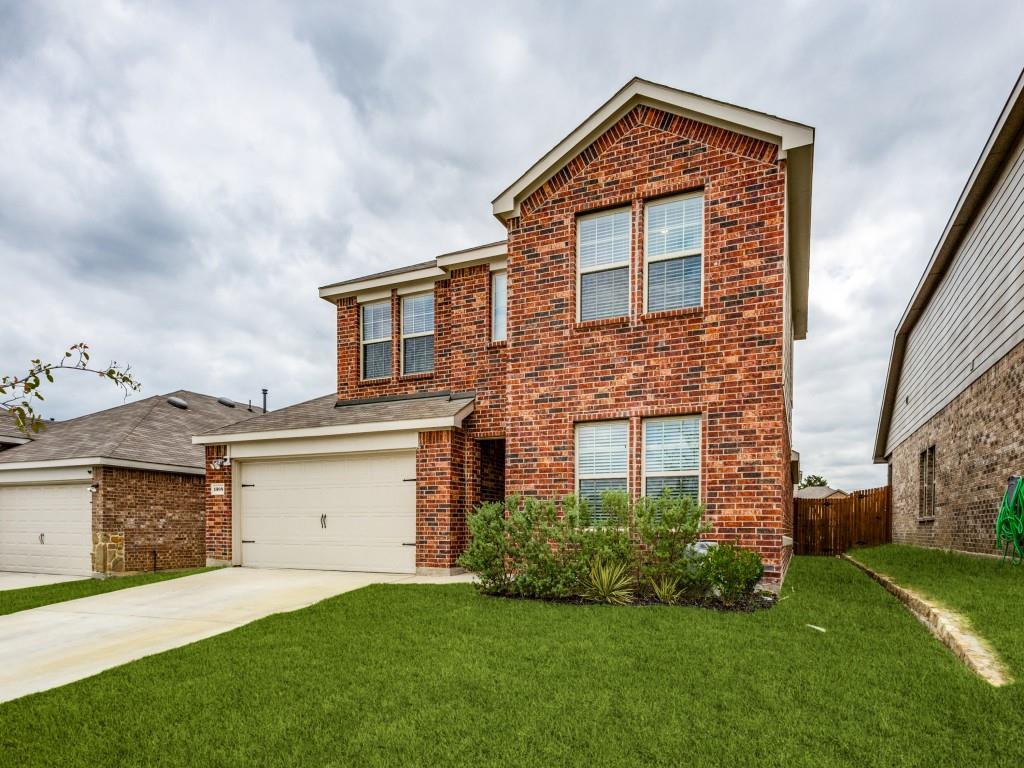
353	512
61	514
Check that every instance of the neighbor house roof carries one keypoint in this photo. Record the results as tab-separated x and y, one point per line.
149	431
329	416
816	492
9	432
985	174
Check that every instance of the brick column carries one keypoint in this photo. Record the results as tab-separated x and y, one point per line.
440	500
218	510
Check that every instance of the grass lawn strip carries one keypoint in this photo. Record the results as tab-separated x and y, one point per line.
438	675
13	600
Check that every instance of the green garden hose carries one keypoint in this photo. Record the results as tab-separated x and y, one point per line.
1010	522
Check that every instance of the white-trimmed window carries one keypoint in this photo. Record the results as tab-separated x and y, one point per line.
418	333
499	306
602	251
672	456
375	340
602	461
674	250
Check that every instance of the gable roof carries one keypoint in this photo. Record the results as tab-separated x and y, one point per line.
150	431
986	172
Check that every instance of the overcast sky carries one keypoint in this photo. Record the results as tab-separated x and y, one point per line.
177	179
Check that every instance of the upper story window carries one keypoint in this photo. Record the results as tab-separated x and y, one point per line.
499	306
674	249
603	263
375	340
418	333
672	456
602	461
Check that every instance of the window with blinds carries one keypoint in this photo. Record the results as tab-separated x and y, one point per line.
674	246
602	461
603	250
418	333
926	483
375	340
672	456
499	306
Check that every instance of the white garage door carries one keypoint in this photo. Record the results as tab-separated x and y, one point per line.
350	513
46	529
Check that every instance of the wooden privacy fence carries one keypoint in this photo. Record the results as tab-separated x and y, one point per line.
832	526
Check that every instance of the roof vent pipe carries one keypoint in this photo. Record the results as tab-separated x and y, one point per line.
177	402
264	399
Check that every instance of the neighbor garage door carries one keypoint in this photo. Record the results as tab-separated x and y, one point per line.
350	513
46	529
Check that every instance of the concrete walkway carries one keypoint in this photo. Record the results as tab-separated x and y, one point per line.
10	580
60	643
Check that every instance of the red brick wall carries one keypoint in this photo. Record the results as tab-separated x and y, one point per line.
723	361
138	512
218	508
440	498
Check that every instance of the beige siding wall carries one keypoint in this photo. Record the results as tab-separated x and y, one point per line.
975	316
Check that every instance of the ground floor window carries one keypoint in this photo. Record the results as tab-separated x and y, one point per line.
602	461
672	456
926	483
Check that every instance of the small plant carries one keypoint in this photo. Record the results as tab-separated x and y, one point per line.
731	573
666	589
610	583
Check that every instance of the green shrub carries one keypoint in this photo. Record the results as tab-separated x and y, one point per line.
610	583
486	555
731	573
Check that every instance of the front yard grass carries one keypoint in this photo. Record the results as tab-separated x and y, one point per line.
13	600
986	591
438	675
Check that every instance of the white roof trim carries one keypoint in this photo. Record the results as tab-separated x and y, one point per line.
332	292
480	255
785	133
417	425
100	461
8	440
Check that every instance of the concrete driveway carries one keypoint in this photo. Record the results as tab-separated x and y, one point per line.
58	644
9	580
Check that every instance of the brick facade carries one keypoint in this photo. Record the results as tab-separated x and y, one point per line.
724	360
145	520
979	442
218	509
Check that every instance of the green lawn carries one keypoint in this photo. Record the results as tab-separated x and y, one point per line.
12	600
989	593
437	675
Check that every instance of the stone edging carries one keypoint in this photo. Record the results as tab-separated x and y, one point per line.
947	627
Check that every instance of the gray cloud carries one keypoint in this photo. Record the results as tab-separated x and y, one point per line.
178	179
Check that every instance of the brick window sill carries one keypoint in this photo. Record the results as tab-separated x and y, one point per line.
374	382
926	519
417	376
497	344
666	314
606	322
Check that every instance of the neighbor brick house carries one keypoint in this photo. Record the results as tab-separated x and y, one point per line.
634	330
952	422
114	491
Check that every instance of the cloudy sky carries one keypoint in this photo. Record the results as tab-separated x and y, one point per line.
178	178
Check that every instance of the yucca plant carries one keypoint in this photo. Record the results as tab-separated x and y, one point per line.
666	589
610	583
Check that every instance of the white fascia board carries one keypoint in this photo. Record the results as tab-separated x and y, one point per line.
485	254
417	425
16	475
92	461
334	292
15	440
785	133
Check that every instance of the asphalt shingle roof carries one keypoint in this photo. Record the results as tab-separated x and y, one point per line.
328	411
815	492
150	430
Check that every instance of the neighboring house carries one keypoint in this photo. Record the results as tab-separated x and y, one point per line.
952	422
819	492
10	435
633	332
113	491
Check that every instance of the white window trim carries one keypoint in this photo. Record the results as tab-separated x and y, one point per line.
404	335
494	275
580	270
684	473
363	342
576	445
675	254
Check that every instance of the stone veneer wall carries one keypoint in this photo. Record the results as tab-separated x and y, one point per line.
979	442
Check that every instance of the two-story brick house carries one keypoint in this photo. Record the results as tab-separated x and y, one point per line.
634	330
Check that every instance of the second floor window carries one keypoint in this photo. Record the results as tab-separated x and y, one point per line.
376	340
418	334
499	306
603	262
674	248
